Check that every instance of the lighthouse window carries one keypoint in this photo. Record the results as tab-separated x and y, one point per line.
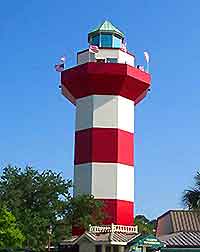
100	60
116	42
111	60
95	40
106	40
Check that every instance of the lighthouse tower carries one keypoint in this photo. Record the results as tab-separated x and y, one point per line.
105	86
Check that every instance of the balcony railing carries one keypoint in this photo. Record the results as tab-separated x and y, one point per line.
114	228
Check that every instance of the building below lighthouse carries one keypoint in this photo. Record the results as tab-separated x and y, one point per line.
105	86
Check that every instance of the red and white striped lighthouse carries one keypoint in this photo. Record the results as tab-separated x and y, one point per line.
105	86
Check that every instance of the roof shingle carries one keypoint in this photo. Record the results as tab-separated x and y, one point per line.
107	26
181	239
112	237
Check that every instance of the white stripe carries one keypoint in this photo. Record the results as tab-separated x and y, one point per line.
82	179
105	180
105	111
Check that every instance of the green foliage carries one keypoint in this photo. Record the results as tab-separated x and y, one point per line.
145	226
38	200
85	210
191	197
10	234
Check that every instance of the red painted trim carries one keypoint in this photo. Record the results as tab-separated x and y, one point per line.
106	79
104	145
67	94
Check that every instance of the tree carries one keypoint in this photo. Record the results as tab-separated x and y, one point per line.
36	200
85	210
191	197
10	234
41	199
145	226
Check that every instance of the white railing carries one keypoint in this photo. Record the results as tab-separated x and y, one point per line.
113	228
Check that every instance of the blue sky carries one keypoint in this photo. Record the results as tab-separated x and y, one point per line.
37	123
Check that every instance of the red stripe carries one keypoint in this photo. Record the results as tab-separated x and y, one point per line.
104	145
118	212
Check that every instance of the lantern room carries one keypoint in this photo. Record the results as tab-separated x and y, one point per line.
111	46
106	36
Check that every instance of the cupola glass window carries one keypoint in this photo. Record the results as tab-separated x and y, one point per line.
106	35
106	40
95	40
116	42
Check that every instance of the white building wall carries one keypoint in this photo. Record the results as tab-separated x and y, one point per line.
125	182
123	57
84	113
107	53
105	111
82	179
126	58
105	180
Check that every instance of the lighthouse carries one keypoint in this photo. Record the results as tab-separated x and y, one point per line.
105	86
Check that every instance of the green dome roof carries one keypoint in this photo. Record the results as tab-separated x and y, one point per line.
106	27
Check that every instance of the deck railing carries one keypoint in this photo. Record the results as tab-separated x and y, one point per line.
113	228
